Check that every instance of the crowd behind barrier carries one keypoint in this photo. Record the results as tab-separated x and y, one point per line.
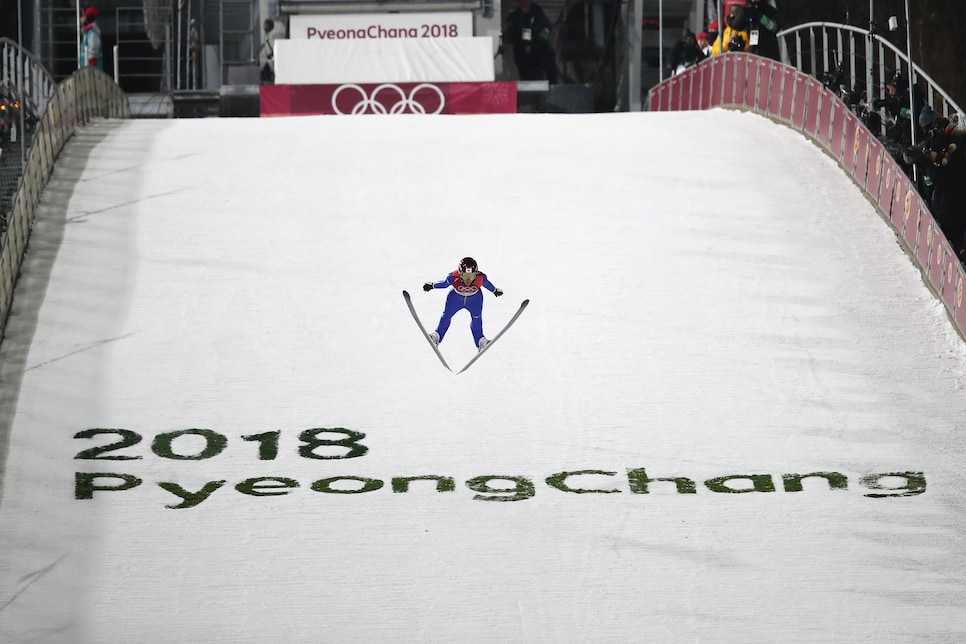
803	103
88	94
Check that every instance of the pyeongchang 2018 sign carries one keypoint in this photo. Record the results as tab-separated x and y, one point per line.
200	450
375	26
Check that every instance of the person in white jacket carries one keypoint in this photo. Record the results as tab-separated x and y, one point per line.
91	44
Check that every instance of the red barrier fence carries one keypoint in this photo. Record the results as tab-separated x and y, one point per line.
784	94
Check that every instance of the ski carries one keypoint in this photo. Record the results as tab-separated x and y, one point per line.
409	303
523	305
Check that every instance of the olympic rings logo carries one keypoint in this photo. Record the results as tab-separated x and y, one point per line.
403	103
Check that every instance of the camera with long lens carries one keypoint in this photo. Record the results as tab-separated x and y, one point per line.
737	43
834	79
872	120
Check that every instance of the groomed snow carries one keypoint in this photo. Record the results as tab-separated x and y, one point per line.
712	301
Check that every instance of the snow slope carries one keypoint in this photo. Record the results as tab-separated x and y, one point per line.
731	413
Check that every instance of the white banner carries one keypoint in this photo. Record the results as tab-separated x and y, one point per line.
428	60
381	26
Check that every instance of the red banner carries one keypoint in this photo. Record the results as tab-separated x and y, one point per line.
850	142
389	98
910	219
898	206
773	100
660	101
890	174
940	255
756	83
749	95
814	123
677	93
786	102
959	302
717	84
730	72
706	82
877	155
929	237
837	133
863	155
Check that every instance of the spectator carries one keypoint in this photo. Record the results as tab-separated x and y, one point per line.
931	123
704	44
527	29
947	151
762	18
713	31
896	105
942	157
685	53
733	36
91	49
934	125
918	156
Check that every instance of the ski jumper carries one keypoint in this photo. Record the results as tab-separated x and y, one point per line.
464	296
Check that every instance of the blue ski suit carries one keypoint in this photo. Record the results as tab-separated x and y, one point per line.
464	296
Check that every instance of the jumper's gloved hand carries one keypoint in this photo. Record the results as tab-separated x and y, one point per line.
428	286
497	293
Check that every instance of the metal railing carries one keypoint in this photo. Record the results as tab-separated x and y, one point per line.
238	46
858	60
25	90
167	49
143	63
59	38
36	83
89	93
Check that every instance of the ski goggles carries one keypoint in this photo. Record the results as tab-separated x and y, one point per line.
468	277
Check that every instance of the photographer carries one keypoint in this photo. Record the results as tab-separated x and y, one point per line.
685	53
896	105
921	155
762	17
941	157
734	35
